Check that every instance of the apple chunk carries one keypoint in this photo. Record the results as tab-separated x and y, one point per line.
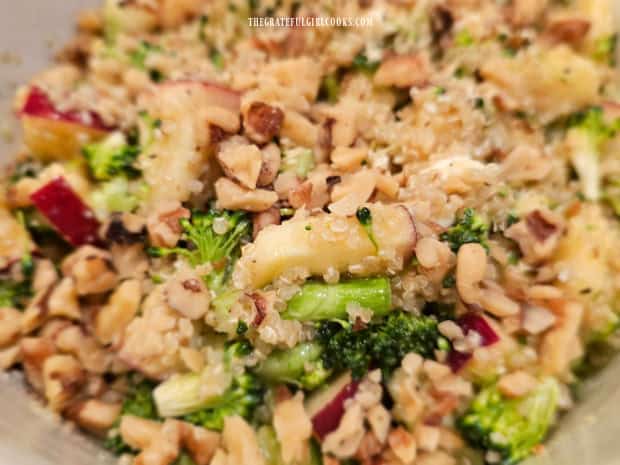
71	217
174	160
51	134
329	241
326	406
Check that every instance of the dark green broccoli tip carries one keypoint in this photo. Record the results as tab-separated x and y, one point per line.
111	157
237	349
364	216
242	328
510	427
301	366
470	228
363	64
241	398
320	301
382	344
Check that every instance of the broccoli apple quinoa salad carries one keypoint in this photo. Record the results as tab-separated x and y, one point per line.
393	244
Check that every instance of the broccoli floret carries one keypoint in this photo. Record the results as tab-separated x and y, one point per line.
384	344
211	237
241	398
301	366
116	195
183	395
319	301
470	228
363	64
111	157
511	427
15	293
586	134
138	402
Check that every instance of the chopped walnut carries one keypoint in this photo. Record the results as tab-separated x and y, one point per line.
517	384
91	269
346	439
187	293
74	340
262	122
240	161
568	30
293	429
301	195
63	300
239	439
138	432
537	235
271	160
45	275
263	219
403	71
62	379
163	224
10	326
403	444
112	319
235	197
348	158
560	345
526	12
35	350
95	415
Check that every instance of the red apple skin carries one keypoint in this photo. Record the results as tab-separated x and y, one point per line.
216	94
326	407
66	211
51	134
39	105
471	321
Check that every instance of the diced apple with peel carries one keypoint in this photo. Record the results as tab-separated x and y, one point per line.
320	243
326	406
51	134
173	159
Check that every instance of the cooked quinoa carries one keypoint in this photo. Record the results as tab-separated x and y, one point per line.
393	244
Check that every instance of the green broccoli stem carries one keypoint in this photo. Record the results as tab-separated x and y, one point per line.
300	365
319	301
